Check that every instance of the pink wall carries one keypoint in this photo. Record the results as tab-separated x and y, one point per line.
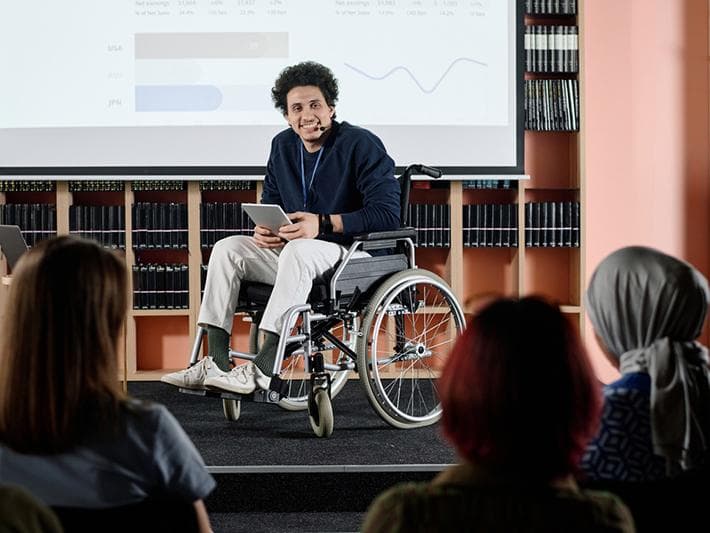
646	131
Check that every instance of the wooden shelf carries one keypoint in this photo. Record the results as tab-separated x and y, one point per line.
159	312
152	375
571	309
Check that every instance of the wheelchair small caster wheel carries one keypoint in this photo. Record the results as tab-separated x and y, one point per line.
320	413
232	409
274	396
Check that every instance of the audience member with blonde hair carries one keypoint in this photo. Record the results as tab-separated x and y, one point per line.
519	404
68	434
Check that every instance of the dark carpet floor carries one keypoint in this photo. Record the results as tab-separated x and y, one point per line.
322	496
285	522
268	435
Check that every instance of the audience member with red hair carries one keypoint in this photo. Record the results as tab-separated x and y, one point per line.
519	402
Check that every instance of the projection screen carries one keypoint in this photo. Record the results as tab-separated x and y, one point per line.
182	87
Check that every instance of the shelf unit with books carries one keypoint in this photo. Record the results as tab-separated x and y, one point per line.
157	243
158	340
490	253
552	199
32	206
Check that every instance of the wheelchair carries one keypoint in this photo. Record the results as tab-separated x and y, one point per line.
380	317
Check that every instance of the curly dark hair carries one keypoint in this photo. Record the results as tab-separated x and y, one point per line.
301	74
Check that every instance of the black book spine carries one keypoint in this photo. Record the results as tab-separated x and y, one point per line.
505	225
438	237
151	287
535	224
567	224
447	226
488	224
160	287
170	286
182	211
121	224
184	285
559	223
575	224
152	223
73	226
478	235
466	217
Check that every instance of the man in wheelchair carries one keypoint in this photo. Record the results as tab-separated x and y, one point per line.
335	180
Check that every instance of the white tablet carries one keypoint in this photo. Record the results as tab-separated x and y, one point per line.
268	215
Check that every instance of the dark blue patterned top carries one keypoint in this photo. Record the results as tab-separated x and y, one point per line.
623	450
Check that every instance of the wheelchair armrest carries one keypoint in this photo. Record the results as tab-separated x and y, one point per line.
378	240
401	233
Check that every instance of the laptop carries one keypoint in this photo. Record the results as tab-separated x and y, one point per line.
12	244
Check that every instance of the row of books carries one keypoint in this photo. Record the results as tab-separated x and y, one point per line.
211	185
551	7
165	225
552	224
37	221
97	185
489	184
227	185
26	186
222	219
160	286
103	223
432	224
490	225
159	225
158	185
551	48
552	105
105	185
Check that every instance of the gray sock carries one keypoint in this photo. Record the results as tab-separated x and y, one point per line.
218	346
264	360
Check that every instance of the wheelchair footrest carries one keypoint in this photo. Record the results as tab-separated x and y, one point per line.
214	393
273	395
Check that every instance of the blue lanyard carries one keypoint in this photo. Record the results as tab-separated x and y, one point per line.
313	175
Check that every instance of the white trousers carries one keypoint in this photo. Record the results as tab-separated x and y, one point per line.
291	269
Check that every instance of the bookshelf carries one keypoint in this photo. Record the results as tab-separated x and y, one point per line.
554	150
159	335
159	339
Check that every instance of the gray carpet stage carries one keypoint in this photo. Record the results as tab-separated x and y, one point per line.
274	474
268	436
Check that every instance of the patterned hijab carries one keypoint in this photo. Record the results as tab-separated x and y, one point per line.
648	308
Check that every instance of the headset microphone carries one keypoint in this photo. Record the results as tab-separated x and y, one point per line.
323	128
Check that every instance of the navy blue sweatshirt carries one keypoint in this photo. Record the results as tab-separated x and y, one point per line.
354	178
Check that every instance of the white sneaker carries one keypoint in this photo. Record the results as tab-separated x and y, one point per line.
195	376
243	379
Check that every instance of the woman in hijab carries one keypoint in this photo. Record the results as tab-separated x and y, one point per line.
647	309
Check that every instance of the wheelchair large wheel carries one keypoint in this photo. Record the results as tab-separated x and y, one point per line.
408	329
293	369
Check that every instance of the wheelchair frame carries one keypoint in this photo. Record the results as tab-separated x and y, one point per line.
394	294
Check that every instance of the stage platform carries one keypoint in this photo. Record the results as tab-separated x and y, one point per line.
269	461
